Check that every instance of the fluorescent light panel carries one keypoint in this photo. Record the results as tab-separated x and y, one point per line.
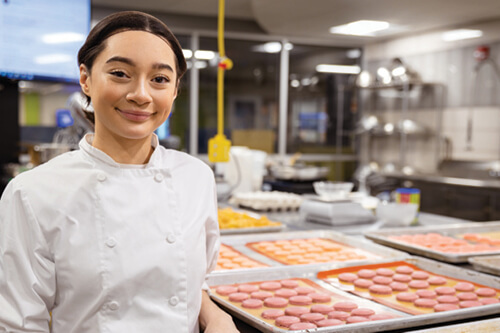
338	69
460	34
360	28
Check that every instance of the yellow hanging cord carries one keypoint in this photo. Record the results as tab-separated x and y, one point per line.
218	147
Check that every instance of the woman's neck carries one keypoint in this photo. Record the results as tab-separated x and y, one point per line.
124	151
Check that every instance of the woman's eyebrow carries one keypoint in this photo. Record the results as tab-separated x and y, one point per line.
163	66
121	59
130	62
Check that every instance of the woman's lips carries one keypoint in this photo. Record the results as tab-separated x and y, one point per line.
135	115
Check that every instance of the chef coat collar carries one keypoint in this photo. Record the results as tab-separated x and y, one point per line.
86	145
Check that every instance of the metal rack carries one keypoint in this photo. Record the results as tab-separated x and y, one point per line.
370	127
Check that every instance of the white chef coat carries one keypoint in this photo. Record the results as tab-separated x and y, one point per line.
107	247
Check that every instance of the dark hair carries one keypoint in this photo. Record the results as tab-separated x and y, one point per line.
128	21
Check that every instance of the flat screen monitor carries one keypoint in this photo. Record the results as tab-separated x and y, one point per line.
40	39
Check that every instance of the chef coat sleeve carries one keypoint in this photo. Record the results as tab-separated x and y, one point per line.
27	271
212	234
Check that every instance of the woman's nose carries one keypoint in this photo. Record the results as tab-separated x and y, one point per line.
139	93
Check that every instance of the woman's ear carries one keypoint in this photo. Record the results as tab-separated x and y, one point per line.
84	79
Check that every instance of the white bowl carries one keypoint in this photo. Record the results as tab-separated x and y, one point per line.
332	190
397	214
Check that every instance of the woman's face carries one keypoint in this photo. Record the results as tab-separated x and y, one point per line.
132	85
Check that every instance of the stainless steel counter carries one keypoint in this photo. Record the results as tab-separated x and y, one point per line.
436	178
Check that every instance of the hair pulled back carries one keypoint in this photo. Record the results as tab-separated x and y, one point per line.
128	21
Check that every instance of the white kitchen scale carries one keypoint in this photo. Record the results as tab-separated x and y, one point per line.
334	212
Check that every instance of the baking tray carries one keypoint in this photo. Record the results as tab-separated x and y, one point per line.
381	237
238	242
298	273
487	264
404	320
485	326
450	273
238	231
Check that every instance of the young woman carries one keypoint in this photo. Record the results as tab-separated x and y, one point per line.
119	235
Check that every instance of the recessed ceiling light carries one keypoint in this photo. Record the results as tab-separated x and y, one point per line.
360	28
338	69
453	35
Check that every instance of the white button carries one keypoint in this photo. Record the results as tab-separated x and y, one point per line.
171	238
114	305
111	242
158	177
174	300
101	177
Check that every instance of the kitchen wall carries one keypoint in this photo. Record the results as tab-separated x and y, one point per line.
451	64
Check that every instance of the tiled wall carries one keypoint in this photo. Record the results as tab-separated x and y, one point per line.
453	68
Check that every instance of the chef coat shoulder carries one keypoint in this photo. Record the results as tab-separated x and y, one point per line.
181	163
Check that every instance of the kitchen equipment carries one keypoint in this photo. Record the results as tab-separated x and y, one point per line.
43	152
340	212
384	237
329	190
299	172
396	214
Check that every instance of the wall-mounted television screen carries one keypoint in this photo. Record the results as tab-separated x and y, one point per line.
39	39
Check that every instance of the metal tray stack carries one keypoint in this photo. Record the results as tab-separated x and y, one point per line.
404	320
382	237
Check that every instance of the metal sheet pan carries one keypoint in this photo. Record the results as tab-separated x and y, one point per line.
382	237
238	231
298	272
484	326
404	321
449	272
238	242
487	264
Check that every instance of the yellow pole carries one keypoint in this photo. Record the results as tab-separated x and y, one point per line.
218	147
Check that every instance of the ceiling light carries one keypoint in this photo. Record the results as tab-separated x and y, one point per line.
384	75
360	28
205	55
338	69
199	54
63	37
271	47
53	58
459	34
353	54
398	71
364	79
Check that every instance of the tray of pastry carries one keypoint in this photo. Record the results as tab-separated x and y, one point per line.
240	221
301	248
454	243
292	299
430	291
487	264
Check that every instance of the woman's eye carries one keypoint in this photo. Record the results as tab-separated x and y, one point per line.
161	79
118	74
